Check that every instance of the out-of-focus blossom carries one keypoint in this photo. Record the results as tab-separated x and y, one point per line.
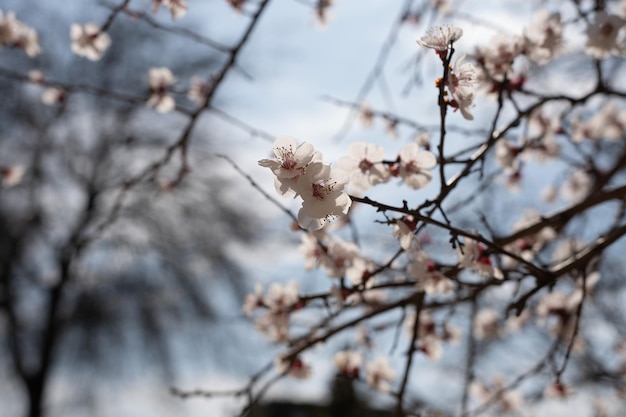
295	368
364	164
558	390
198	90
160	79
12	175
428	277
89	41
349	363
177	8
415	166
379	373
472	255
52	96
576	186
36	76
16	34
486	324
509	400
544	37
607	123
602	36
496	58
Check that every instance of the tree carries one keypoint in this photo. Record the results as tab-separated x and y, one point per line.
497	226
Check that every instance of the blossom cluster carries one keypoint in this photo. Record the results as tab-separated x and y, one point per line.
89	41
461	79
177	8
14	33
300	172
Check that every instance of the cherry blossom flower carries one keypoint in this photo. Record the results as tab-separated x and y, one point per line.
430	342
321	189
52	96
198	90
12	175
463	99
558	390
530	244
497	57
602	36
291	158
509	400
403	230
544	37
429	278
89	41
280	297
423	140
472	256
506	156
17	34
28	40
440	38
463	74
364	163
577	186
160	79
8	28
295	368
558	310
253	300
340	256
608	122
280	301
177	8
349	363
414	166
36	76
379	373
486	324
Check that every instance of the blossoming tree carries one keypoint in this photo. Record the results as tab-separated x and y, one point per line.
456	278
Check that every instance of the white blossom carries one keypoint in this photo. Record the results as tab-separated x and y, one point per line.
439	38
602	36
160	79
349	362
177	8
415	166
295	368
321	189
544	37
89	41
12	175
364	163
379	373
291	158
52	96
